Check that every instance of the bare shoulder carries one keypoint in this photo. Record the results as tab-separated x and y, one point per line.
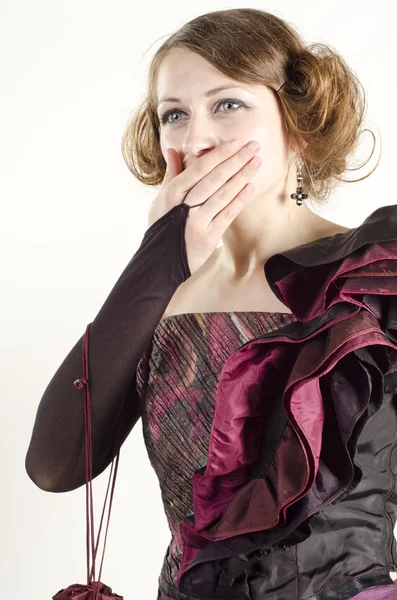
190	295
207	290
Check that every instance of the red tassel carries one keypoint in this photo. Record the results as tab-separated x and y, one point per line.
96	590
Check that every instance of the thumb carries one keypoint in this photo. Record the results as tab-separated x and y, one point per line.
174	166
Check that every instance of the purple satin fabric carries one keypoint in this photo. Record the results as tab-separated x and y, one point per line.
382	592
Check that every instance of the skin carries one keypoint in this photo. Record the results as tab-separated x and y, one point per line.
271	221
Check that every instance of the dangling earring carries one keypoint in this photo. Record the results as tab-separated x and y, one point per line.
299	195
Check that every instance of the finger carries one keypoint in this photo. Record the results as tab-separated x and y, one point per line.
224	218
234	186
174	165
207	187
225	194
192	175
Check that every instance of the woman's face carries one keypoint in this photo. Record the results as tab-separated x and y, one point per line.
196	123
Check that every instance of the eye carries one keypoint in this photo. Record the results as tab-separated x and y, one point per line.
164	118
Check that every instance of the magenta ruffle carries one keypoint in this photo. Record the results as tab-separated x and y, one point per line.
226	502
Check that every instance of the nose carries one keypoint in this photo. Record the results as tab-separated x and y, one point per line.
199	136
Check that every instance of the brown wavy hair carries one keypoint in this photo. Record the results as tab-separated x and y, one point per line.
322	101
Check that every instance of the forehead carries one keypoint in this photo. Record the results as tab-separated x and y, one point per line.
184	74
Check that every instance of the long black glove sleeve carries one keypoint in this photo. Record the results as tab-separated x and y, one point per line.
118	337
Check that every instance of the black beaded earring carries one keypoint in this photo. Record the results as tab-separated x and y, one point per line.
299	195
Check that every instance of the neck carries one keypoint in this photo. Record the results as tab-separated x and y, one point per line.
262	229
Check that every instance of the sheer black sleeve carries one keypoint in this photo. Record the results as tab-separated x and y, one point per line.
118	337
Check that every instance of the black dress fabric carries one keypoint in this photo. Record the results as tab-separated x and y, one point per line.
298	497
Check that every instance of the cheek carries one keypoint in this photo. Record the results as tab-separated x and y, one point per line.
273	152
273	170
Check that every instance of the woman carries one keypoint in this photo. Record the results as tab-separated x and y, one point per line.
272	431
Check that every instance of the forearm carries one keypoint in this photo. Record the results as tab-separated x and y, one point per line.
118	337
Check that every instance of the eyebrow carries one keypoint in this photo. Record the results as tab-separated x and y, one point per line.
207	94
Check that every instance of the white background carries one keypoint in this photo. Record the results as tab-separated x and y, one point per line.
72	215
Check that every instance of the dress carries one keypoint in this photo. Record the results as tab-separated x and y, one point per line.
285	432
176	380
